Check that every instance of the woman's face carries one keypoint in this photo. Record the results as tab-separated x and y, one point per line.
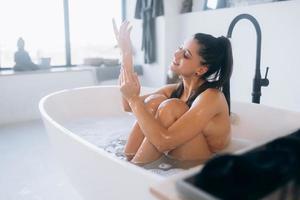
186	60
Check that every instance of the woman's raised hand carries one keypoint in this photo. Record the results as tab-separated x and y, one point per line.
123	37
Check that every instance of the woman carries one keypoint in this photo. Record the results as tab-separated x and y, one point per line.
186	121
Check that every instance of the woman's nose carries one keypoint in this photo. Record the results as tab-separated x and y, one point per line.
178	53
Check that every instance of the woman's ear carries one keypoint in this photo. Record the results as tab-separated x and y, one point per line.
201	70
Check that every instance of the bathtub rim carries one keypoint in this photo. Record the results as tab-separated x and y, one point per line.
46	116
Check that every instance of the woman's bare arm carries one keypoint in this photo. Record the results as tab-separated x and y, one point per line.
123	38
166	91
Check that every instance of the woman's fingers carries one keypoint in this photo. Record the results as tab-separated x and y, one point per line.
136	79
126	76
130	76
129	30
124	28
133	78
123	31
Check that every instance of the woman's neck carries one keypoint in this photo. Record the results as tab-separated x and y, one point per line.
190	85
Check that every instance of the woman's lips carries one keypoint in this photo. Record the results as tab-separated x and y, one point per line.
175	63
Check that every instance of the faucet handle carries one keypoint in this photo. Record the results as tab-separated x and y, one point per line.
265	81
266	74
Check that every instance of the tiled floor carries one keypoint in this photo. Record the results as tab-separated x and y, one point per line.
28	168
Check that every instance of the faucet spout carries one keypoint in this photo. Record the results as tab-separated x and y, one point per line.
258	82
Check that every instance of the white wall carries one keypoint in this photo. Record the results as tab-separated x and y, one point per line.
280	46
21	92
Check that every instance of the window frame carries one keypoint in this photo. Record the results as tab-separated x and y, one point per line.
67	35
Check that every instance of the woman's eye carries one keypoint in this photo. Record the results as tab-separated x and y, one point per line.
186	55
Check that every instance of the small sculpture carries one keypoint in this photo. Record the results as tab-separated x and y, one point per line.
22	58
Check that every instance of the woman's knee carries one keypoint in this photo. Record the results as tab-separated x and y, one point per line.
172	107
153	101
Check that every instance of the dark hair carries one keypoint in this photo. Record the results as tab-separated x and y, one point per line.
217	56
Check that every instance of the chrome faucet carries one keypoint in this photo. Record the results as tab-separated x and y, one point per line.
258	82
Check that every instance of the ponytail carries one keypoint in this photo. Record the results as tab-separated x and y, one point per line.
225	68
217	55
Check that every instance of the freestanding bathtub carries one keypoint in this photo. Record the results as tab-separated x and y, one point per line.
96	174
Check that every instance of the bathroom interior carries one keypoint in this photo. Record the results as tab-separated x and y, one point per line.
62	127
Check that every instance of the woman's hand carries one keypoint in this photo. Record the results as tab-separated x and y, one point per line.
123	37
129	85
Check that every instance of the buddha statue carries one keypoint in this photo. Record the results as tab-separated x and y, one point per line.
22	58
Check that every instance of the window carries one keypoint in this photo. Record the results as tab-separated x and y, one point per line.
39	23
91	31
212	4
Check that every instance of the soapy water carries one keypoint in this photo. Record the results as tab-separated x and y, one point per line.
111	133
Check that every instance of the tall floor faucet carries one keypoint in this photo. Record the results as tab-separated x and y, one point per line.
258	82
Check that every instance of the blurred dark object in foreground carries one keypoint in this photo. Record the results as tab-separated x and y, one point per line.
266	170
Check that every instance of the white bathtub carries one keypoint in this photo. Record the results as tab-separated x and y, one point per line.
97	174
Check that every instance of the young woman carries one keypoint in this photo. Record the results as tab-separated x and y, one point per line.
186	121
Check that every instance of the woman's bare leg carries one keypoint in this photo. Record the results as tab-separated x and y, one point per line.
136	136
195	149
167	114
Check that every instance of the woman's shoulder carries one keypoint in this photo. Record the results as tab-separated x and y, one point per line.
211	96
172	86
211	101
168	89
213	91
